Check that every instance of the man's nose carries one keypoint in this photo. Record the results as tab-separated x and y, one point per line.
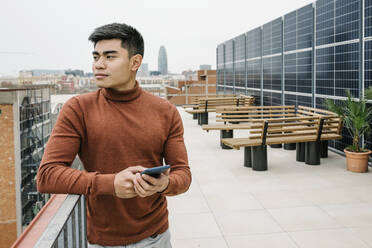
100	63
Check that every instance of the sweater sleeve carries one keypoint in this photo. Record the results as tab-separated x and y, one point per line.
55	174
175	154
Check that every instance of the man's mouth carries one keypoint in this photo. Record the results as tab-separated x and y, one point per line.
100	75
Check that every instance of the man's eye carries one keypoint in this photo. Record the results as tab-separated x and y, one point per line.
110	57
95	58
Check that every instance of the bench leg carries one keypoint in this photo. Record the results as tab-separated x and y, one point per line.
300	152
226	134
276	146
290	146
312	154
195	116
247	156
203	118
324	149
259	158
199	118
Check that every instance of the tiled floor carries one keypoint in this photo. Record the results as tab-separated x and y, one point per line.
290	205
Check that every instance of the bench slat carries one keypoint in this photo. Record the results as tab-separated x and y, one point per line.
287	129
253	116
237	143
231	126
316	110
248	111
255	107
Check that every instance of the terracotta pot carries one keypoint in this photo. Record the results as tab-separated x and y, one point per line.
357	161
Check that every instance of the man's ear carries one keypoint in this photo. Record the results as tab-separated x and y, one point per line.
136	62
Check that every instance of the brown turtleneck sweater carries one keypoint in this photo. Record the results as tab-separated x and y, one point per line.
111	131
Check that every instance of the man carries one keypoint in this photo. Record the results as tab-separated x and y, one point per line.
118	131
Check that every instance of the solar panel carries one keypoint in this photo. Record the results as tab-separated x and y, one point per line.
220	68
347	20
239	60
254	74
253	49
272	37
368	64
325	21
229	63
253	44
367	18
290	31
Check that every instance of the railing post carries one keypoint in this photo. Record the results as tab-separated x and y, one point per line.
80	224
73	228
65	235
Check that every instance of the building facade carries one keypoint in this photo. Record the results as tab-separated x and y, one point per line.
187	90
163	61
143	70
205	67
25	126
302	58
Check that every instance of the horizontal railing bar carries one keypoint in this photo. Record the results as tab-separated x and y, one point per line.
57	224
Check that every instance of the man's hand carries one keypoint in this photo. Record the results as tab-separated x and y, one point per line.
145	185
123	182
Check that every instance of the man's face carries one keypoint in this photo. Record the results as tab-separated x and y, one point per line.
112	67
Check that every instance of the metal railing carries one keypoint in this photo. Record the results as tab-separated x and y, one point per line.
68	226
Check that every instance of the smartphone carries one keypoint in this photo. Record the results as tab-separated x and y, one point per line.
155	171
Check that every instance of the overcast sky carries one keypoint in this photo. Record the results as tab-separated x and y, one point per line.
50	34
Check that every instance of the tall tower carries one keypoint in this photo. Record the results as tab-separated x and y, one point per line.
163	61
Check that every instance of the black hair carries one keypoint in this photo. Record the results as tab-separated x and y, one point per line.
130	38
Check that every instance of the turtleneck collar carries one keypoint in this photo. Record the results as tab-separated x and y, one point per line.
122	96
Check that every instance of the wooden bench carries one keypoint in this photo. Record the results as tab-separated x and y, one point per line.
231	114
198	103
250	115
210	105
308	131
195	99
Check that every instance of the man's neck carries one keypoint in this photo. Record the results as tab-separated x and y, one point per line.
128	86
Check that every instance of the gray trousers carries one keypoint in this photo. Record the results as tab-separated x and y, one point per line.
160	241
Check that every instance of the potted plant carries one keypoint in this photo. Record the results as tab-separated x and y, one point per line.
356	117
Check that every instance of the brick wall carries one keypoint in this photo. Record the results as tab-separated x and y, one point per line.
178	100
197	87
8	221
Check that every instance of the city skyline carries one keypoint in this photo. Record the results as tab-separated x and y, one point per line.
53	35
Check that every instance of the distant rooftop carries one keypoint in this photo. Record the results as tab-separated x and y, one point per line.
24	87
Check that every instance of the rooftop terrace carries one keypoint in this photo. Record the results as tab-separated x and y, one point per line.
230	206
